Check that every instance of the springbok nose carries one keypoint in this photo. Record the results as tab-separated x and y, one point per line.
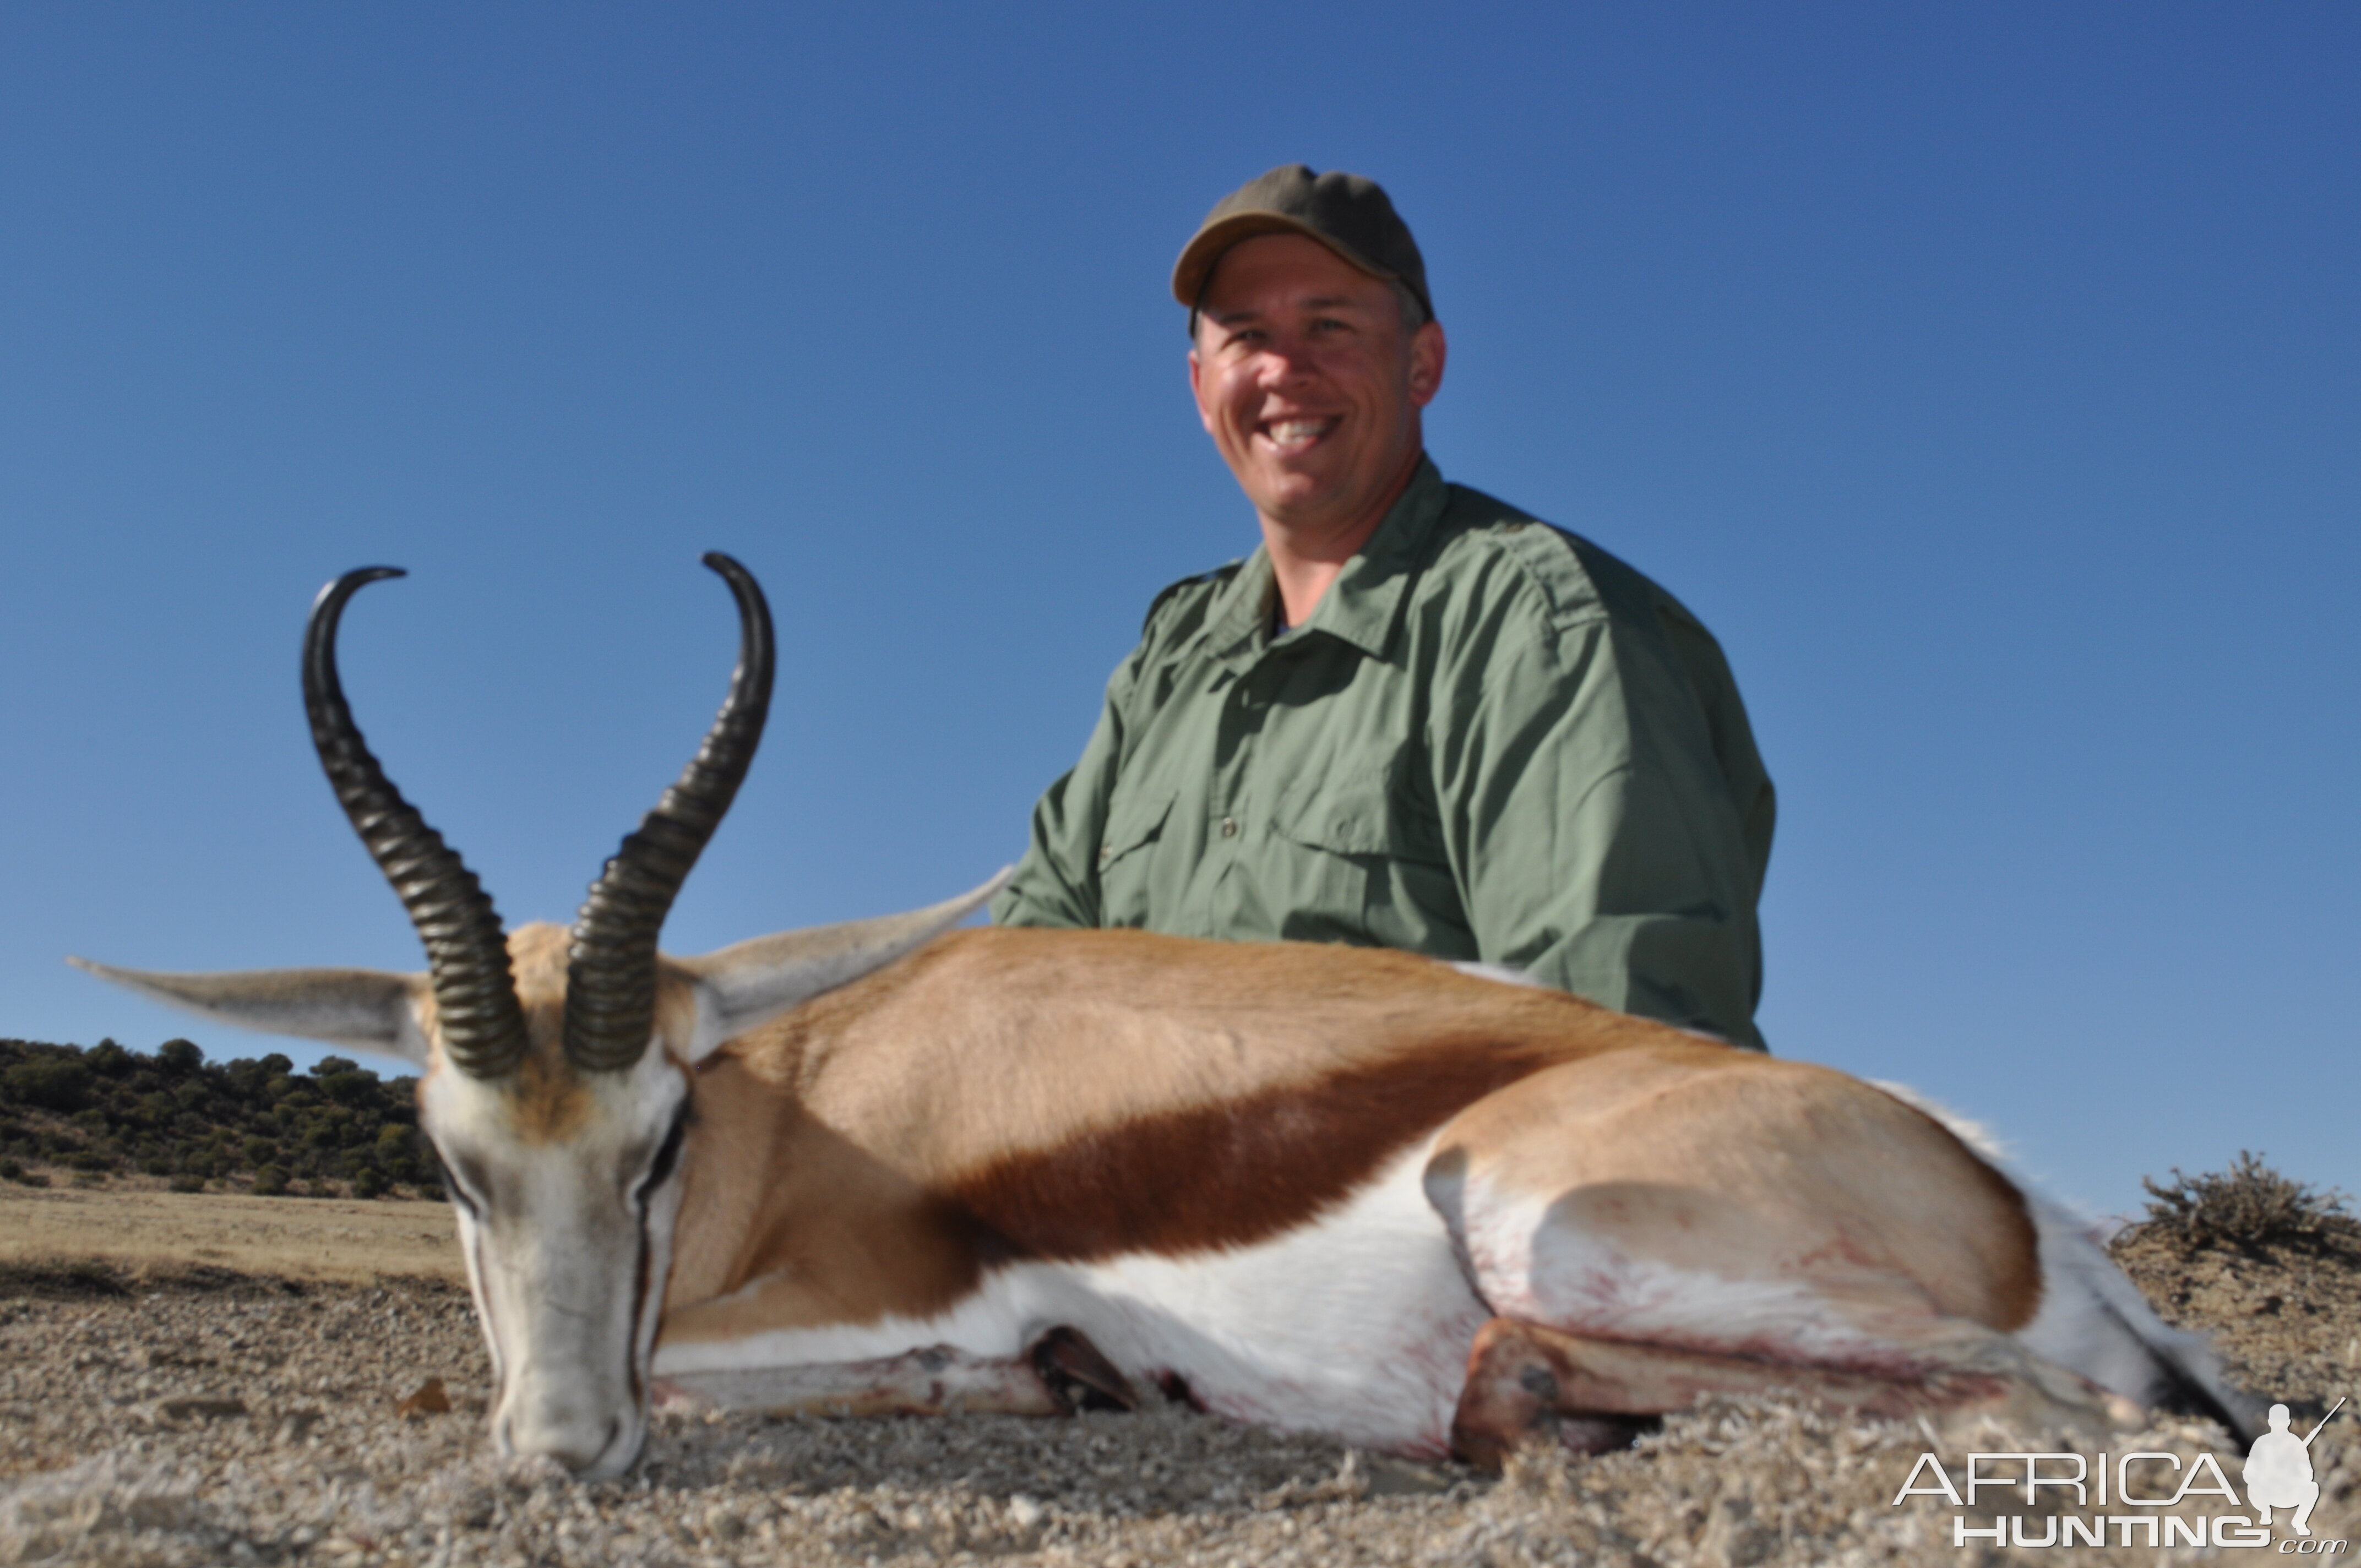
579	1443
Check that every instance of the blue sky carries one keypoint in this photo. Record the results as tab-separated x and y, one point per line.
1988	377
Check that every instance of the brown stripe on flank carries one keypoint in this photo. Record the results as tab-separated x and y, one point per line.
1234	1174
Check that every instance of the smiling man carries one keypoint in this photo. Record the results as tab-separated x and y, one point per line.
1415	716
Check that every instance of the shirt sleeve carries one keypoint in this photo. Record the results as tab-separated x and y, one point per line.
1589	821
1057	882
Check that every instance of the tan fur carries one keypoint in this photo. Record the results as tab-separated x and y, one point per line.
1699	1156
547	1101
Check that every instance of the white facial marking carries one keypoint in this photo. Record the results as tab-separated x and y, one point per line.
567	1244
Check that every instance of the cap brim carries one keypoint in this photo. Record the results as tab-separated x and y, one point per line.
1196	263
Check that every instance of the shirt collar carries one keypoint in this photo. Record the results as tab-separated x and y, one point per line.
1360	606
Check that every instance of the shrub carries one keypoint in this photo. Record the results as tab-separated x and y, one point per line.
345	1082
179	1059
367	1183
10	1170
188	1181
52	1084
2249	1207
270	1181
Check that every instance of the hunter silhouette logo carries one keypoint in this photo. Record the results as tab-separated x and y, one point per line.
2125	1495
2279	1471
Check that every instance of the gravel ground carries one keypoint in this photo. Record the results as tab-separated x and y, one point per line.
201	1417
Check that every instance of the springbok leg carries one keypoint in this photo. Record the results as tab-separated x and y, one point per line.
1527	1382
1058	1375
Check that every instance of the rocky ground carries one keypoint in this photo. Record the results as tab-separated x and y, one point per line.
171	1414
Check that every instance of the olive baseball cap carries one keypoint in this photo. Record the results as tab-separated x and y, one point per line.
1350	216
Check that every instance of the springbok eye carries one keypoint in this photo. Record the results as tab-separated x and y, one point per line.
661	1169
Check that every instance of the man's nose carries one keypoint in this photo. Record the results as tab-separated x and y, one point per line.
1285	360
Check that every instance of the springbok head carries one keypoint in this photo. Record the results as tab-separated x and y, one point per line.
555	1064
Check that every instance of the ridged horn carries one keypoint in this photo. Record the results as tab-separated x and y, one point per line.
611	991
475	991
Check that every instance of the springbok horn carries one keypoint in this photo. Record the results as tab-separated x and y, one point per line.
475	991
611	992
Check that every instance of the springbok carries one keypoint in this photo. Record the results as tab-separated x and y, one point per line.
877	1167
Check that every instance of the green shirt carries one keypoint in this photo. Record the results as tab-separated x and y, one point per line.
1491	741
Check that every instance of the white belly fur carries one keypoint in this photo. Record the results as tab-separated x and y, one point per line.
1357	1324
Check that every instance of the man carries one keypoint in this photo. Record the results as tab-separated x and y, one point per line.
1415	718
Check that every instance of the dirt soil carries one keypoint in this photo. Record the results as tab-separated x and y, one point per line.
200	1379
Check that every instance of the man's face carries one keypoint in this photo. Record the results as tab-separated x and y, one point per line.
1309	382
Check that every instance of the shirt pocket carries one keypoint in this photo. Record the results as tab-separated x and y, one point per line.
1127	855
1353	861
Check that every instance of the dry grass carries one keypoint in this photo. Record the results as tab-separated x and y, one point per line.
148	1228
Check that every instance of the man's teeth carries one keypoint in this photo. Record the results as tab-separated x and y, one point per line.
1289	432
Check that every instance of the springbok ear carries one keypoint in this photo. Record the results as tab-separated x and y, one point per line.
741	985
369	1010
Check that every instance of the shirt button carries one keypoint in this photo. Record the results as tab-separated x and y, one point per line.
1106	853
1229	827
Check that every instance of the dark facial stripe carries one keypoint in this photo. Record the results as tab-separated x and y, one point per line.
640	1271
660	1169
1234	1174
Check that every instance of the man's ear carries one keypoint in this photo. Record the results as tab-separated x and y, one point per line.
1197	388
1428	350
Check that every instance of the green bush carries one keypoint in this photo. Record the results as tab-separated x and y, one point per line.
270	1181
174	1114
50	1083
367	1183
188	1181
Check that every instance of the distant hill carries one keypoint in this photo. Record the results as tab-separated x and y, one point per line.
107	1115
